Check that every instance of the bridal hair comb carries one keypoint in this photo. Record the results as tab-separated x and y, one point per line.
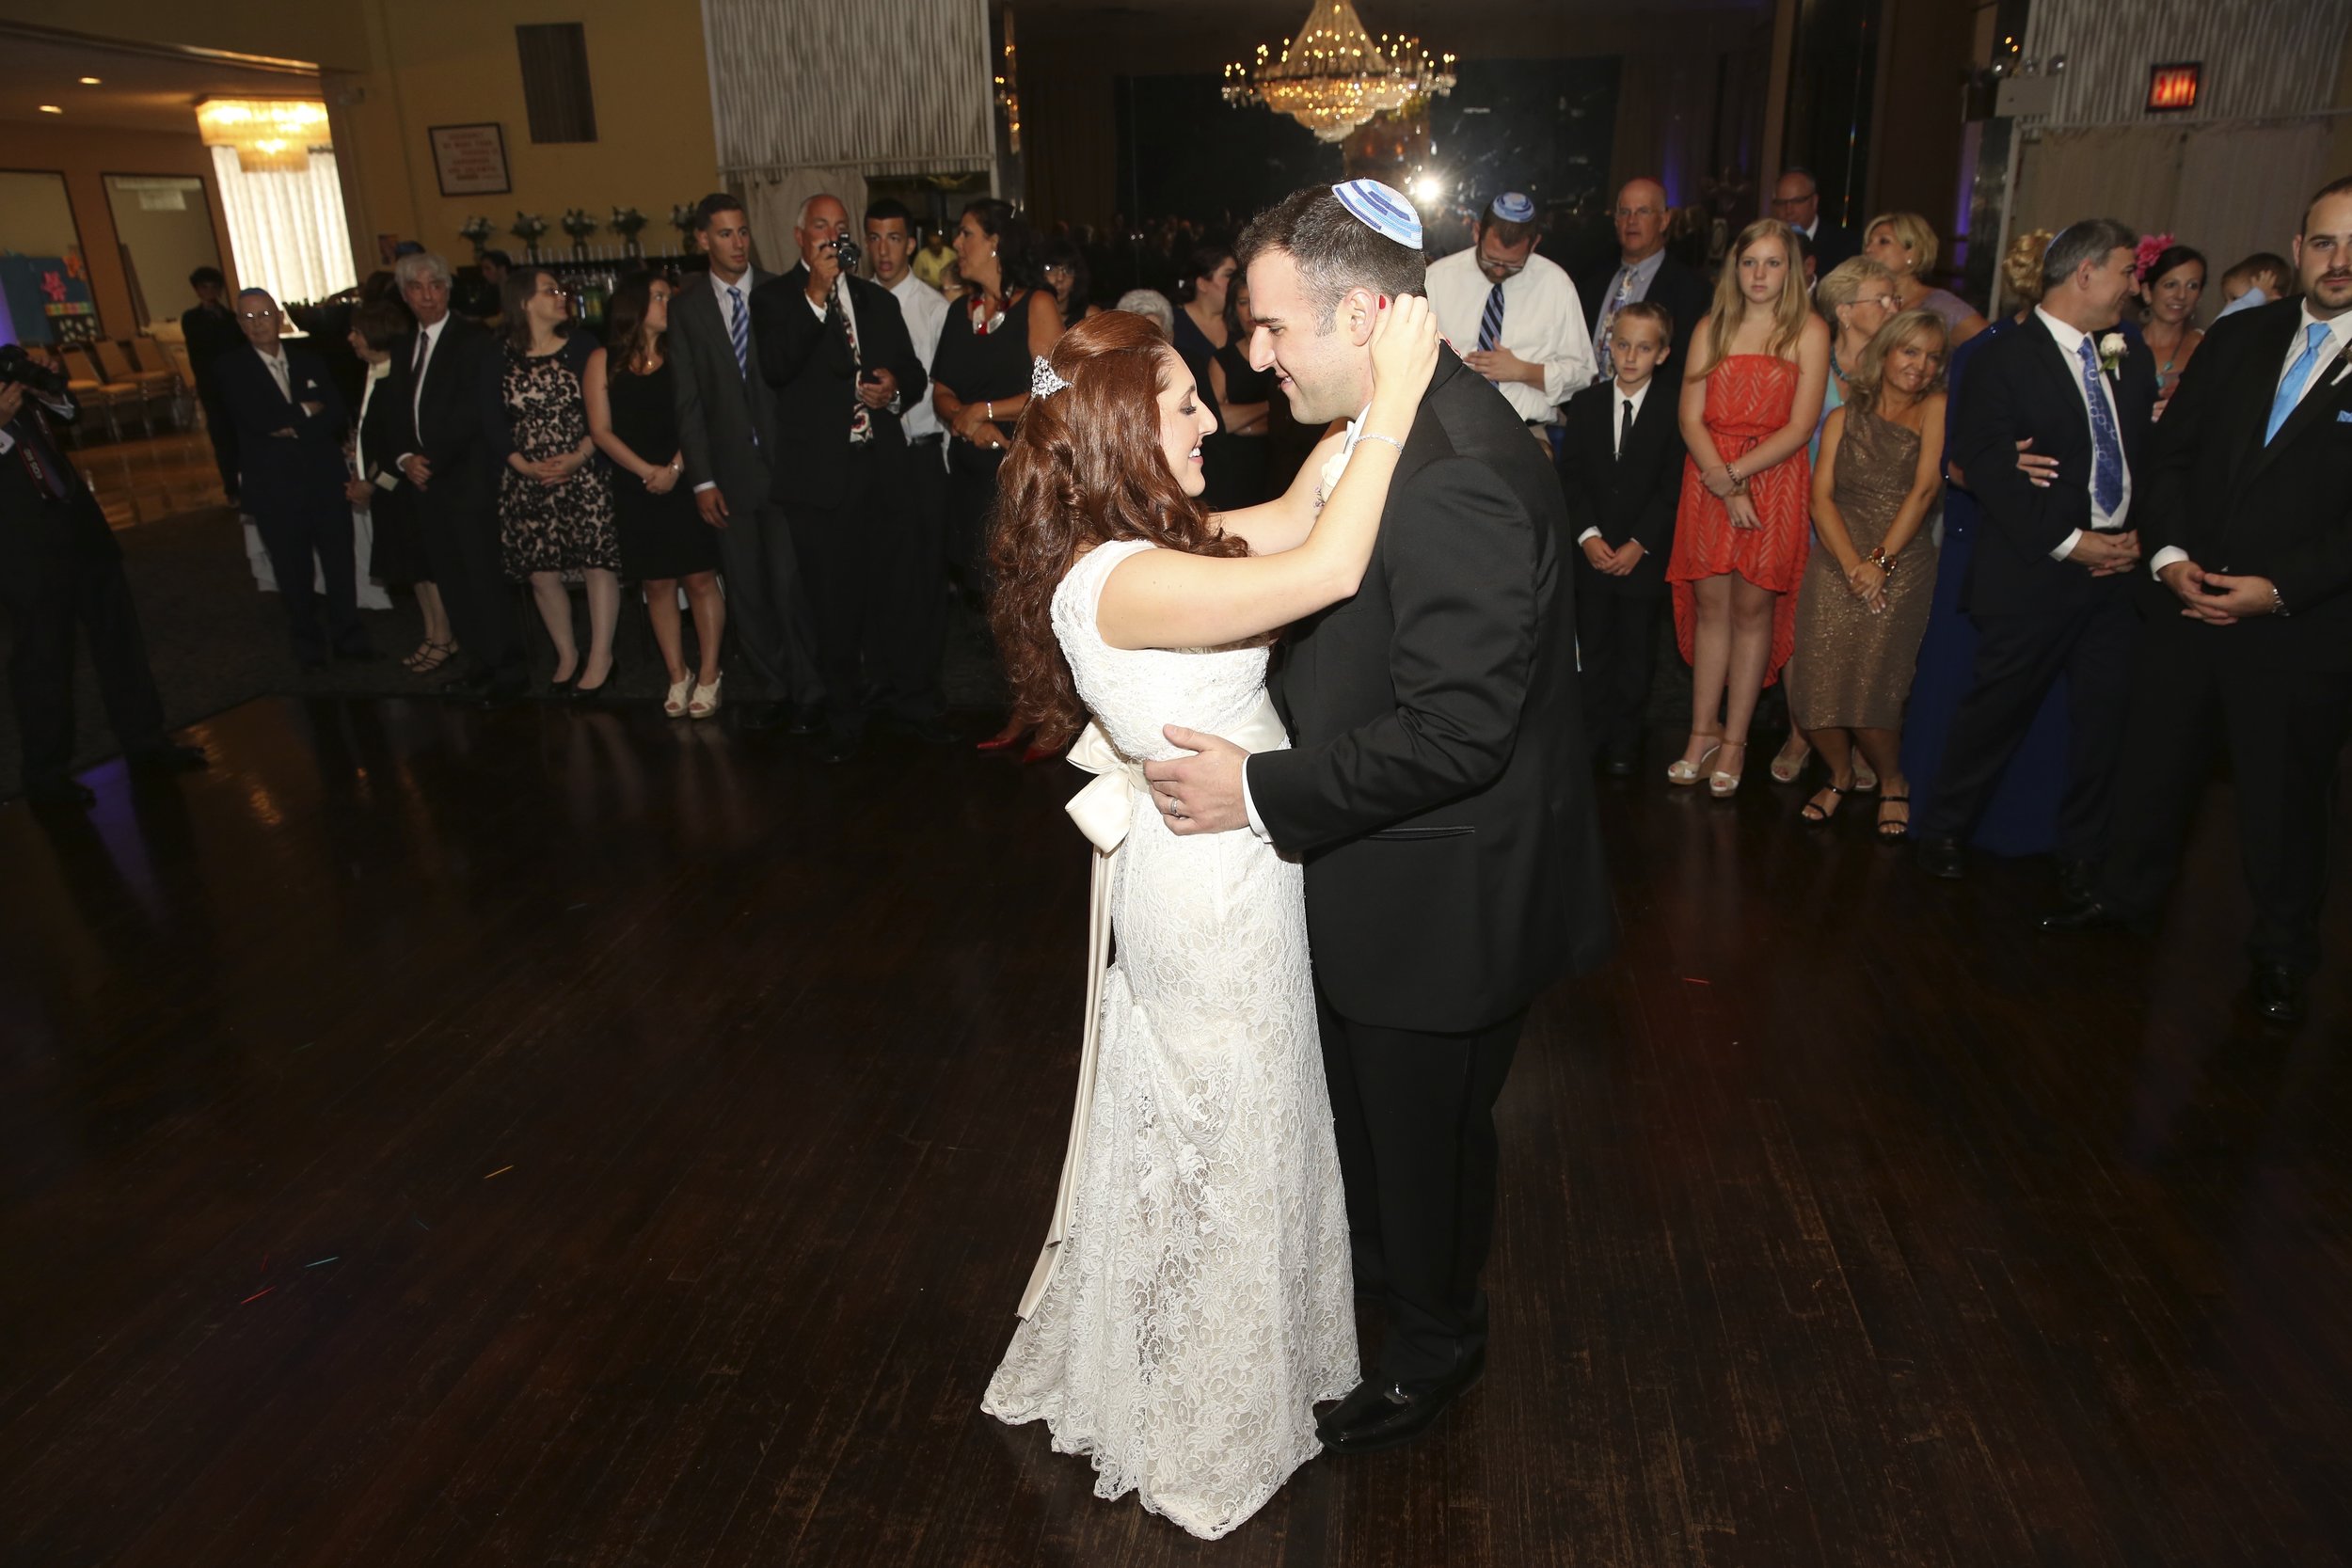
1043	383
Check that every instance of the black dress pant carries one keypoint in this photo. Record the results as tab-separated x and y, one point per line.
59	569
768	613
1414	1118
461	545
2018	658
221	429
2197	692
1616	643
971	516
291	537
906	674
848	553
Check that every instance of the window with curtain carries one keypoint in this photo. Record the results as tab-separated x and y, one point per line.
287	230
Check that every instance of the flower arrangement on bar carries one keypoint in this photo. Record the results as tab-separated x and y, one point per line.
578	225
682	220
627	222
476	231
527	228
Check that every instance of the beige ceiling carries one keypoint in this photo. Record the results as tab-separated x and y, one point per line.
136	90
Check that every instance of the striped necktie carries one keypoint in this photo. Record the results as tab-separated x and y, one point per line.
1490	325
739	330
1620	296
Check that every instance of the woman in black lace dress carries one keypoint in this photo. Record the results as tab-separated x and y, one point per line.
980	384
664	541
556	502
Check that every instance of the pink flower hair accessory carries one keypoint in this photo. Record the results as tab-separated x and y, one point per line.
2150	248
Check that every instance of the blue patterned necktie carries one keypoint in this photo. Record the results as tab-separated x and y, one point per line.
2291	389
739	328
1490	325
2106	471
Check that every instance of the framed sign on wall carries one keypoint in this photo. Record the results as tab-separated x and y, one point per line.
471	160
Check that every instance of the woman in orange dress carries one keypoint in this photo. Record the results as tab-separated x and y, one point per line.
1750	397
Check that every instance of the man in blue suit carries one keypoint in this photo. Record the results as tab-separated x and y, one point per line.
290	424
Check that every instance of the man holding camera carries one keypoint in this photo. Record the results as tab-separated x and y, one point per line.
835	350
60	567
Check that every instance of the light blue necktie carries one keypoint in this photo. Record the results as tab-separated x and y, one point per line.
739	328
1490	324
2291	389
2106	470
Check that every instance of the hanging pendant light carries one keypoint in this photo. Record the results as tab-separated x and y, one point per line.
1333	76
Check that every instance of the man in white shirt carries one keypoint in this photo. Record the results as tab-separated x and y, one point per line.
2048	587
1512	315
911	695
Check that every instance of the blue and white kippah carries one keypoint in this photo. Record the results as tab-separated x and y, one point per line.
1513	207
1382	210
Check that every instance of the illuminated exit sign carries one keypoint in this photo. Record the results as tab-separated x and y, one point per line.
2173	88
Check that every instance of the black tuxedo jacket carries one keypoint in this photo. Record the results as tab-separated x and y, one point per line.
1437	787
2281	511
806	360
280	475
1629	496
2022	384
23	497
1682	291
459	423
1830	245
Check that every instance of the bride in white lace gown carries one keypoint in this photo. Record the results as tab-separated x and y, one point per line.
1197	1300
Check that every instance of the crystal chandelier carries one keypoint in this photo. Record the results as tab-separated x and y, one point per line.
1333	77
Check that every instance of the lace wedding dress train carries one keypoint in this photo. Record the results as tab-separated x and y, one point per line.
1201	1301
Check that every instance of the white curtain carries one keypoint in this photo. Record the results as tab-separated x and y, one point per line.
772	198
287	230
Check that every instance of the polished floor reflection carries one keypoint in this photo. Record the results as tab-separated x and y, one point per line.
558	1137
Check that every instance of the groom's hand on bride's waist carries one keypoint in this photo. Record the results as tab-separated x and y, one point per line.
1202	792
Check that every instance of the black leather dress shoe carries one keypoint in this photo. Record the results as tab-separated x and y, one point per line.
2078	880
1946	858
803	719
753	717
2278	994
1617	763
169	757
58	792
1386	1415
833	747
2083	914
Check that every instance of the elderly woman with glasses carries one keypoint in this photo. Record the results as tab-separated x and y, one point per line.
556	502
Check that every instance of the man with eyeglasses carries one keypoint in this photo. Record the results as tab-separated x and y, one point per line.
1513	314
1796	202
290	421
1642	270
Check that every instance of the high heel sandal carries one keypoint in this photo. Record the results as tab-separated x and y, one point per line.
1865	777
1811	814
1893	833
1721	784
674	702
705	701
1681	771
429	658
1788	769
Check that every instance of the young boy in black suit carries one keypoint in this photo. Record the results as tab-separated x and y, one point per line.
1621	469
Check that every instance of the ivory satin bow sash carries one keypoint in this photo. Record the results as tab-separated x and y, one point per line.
1105	810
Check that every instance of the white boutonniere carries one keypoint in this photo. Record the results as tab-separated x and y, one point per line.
2112	352
1330	480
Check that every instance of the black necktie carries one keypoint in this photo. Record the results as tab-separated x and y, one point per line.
1624	428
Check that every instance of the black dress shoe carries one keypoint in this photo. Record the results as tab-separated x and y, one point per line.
834	747
802	718
2278	994
1617	763
169	757
760	716
1946	858
930	732
2078	880
58	792
494	695
2084	914
1385	1414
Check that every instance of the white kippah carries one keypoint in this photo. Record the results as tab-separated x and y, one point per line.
1382	210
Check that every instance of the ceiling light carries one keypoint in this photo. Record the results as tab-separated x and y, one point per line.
269	135
89	81
1332	77
1428	188
51	109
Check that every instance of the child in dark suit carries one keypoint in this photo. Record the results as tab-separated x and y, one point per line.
1621	469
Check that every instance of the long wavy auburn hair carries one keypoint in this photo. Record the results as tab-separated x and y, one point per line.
1086	468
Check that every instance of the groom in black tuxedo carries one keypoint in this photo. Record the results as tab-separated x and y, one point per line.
1437	792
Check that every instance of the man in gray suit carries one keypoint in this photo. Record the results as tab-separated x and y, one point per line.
727	423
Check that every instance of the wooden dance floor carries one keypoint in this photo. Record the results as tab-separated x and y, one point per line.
538	1137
